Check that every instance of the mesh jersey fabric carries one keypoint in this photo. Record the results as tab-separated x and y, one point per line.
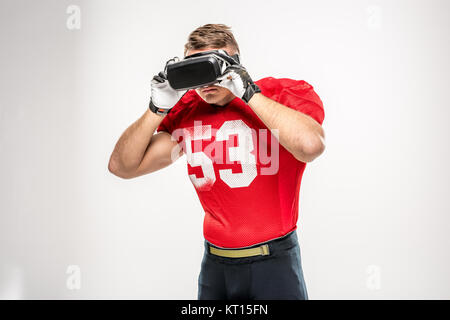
248	184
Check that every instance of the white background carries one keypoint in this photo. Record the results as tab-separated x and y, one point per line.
374	208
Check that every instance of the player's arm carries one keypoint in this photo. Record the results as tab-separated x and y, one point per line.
139	151
299	133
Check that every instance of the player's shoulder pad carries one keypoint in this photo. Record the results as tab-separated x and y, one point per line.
272	87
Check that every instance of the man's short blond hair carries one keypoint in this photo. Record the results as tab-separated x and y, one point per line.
211	36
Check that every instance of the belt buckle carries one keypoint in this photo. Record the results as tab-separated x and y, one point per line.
265	250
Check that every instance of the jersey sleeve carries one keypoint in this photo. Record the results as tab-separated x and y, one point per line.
167	123
299	95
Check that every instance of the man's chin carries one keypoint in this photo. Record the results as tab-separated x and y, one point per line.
216	98
212	100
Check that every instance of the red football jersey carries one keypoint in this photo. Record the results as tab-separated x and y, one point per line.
247	183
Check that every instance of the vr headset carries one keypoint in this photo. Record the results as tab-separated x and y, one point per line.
199	69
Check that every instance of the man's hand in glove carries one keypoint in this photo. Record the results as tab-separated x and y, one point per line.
163	96
236	79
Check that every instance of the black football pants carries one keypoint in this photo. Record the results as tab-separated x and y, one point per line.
278	275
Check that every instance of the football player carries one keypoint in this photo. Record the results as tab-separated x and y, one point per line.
250	199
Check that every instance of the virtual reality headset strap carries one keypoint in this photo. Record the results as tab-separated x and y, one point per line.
234	59
221	54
